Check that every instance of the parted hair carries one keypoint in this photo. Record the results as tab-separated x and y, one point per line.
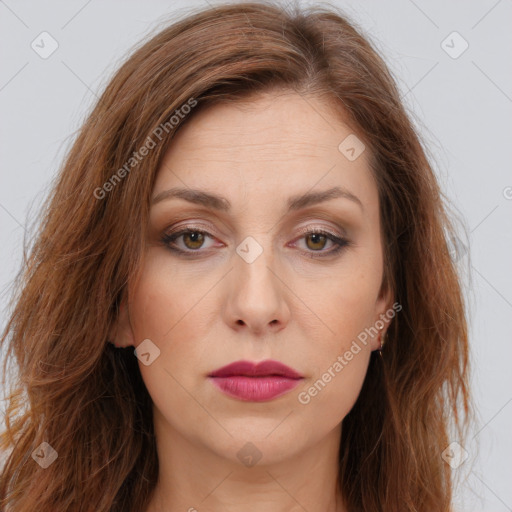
72	389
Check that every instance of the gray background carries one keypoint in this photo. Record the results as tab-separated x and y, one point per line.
462	107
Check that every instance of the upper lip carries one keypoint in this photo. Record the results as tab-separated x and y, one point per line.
250	369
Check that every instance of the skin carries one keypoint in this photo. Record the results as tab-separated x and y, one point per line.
205	312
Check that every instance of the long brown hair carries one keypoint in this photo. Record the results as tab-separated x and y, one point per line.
86	399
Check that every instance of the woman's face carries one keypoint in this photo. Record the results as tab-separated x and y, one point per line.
247	281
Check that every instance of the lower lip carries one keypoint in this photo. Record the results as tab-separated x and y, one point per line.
255	389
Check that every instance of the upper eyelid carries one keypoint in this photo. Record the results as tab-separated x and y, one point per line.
334	238
341	221
302	231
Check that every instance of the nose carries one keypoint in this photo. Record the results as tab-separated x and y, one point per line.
257	295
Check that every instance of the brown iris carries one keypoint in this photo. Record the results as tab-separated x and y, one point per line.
317	238
196	237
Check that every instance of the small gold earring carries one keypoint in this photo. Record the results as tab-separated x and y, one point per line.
382	338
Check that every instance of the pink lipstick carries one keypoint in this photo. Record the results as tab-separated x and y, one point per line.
255	382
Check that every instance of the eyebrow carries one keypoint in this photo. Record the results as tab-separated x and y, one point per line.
216	202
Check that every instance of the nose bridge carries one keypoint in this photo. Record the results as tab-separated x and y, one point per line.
256	295
254	261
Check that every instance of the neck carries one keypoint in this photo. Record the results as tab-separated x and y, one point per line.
193	477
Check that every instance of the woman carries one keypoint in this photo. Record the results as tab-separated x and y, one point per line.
241	295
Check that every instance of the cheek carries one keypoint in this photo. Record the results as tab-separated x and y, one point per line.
339	361
338	358
165	308
173	310
328	398
343	305
165	300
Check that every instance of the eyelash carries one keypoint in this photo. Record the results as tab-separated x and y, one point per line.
341	243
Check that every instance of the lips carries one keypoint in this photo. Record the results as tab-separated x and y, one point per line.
266	368
252	382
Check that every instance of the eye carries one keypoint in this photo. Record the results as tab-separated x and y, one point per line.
318	238
193	239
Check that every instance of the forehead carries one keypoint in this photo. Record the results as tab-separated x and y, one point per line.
273	144
279	123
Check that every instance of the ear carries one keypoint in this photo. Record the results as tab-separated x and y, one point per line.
121	332
384	313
